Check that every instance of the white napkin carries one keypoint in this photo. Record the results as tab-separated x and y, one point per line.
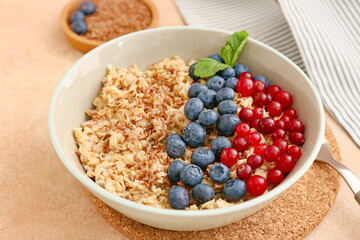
328	36
262	19
322	37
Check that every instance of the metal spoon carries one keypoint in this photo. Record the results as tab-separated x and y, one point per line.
352	181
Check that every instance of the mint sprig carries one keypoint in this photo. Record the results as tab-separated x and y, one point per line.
207	67
236	43
226	53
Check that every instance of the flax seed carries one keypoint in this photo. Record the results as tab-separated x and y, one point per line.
114	18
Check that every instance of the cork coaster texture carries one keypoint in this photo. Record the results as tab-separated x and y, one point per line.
295	213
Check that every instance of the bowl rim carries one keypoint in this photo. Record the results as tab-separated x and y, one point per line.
93	187
66	11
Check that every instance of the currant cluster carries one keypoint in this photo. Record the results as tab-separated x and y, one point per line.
282	124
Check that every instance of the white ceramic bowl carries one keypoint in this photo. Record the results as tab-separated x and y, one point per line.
75	92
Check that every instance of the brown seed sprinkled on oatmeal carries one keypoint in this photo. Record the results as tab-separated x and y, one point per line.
106	149
136	159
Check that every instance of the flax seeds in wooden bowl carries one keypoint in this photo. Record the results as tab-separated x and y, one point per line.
112	18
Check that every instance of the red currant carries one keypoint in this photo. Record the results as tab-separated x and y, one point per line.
245	75
274	108
270	98
254	138
240	144
285	119
273	90
291	113
258	113
242	130
284	98
280	124
285	163
278	134
295	152
255	123
255	161
282	145
259	86
295	125
296	138
245	87
244	171
272	153
256	185
229	156
266	125
246	115
260	99
275	176
259	149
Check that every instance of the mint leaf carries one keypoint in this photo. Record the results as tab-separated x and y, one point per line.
226	53
237	42
233	47
207	67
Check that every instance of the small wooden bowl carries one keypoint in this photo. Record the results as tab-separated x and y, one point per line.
84	44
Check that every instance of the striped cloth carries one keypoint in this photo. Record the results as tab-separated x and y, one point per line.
262	19
328	36
322	37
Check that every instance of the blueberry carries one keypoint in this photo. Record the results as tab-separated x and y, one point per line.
263	79
191	175
217	57
175	148
234	190
195	89
227	107
231	83
79	27
208	97
87	7
225	94
194	135
178	197
228	73
240	68
227	124
219	144
192	108
191	72
203	193
174	170
215	83
77	15
172	136
202	157
208	117
219	173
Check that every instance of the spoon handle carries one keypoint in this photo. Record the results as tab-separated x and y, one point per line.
348	176
357	197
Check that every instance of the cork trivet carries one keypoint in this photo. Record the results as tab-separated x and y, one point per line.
292	215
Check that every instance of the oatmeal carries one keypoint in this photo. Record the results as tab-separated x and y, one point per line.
122	145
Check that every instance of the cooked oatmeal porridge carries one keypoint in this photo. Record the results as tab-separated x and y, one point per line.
122	145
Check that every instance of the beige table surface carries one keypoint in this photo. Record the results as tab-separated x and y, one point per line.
39	199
